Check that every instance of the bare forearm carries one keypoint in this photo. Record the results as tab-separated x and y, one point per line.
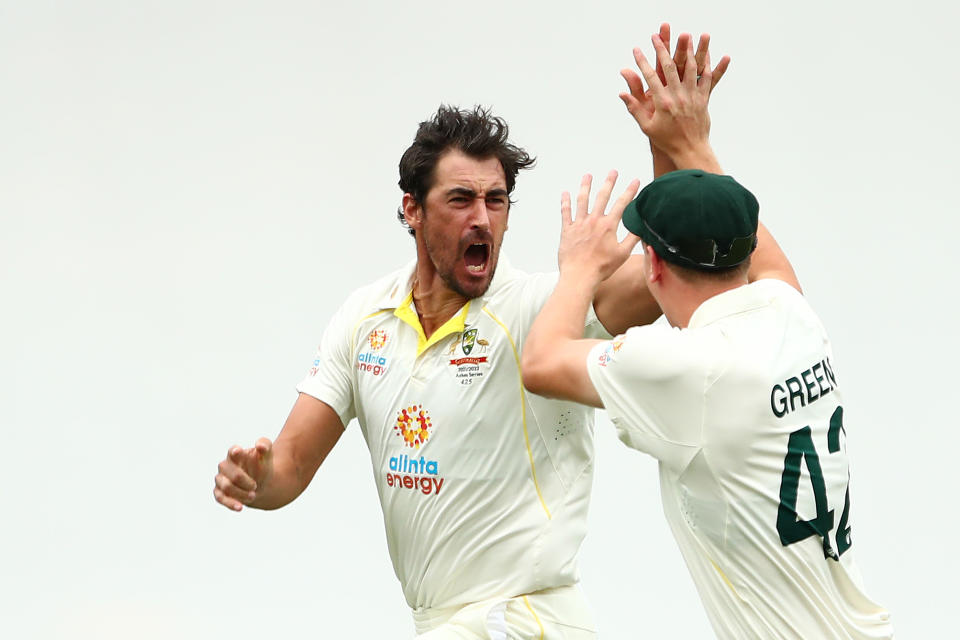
662	164
309	434
287	481
561	319
769	261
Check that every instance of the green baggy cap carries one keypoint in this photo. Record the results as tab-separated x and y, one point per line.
696	219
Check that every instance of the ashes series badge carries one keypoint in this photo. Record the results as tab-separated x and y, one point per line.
467	368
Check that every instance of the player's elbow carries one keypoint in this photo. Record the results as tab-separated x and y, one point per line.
535	374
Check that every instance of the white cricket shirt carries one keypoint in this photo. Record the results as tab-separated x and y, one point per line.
744	411
484	486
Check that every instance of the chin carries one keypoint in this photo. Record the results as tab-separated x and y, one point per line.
471	286
474	289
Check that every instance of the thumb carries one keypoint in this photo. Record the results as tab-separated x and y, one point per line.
633	106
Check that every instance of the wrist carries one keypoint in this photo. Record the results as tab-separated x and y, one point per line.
698	156
581	282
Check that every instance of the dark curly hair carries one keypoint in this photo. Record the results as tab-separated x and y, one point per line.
475	132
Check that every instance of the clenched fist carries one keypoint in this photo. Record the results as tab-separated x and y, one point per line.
243	473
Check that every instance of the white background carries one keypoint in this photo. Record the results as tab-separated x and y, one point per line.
188	190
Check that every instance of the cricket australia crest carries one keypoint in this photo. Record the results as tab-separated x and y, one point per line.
468	341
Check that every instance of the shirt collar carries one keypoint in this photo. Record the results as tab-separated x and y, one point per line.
744	298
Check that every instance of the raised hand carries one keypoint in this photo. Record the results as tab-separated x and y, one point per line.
678	124
638	99
588	243
242	473
683	152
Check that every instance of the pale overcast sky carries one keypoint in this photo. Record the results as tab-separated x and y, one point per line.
189	190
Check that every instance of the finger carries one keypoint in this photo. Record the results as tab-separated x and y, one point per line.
669	66
690	75
719	70
232	490
633	82
639	58
263	446
703	46
603	195
235	453
630	242
226	501
631	103
236	475
641	110
705	82
665	36
583	197
681	53
649	73
621	203
565	214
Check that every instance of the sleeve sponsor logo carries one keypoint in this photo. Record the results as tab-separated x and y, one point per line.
316	363
612	348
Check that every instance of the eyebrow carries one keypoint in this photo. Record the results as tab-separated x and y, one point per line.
470	193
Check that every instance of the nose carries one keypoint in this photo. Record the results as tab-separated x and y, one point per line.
480	215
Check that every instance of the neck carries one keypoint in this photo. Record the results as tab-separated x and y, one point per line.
434	300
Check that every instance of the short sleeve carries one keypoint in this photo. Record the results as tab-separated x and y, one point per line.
539	287
652	382
330	378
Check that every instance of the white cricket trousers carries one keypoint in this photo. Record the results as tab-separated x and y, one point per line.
560	613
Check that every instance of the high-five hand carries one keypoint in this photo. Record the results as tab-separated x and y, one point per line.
589	248
673	110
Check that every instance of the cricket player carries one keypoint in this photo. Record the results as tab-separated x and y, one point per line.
738	398
484	487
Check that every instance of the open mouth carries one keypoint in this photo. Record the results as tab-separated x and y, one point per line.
476	257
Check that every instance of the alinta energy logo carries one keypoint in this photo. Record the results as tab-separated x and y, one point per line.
371	361
316	362
413	426
377	338
615	345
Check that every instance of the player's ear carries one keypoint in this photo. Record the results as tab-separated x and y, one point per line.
655	264
412	212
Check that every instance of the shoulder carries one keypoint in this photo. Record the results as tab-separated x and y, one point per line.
792	305
384	293
518	291
660	352
776	289
368	301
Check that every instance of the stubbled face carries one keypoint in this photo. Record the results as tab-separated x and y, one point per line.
463	219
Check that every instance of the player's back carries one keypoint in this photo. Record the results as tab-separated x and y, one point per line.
762	512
